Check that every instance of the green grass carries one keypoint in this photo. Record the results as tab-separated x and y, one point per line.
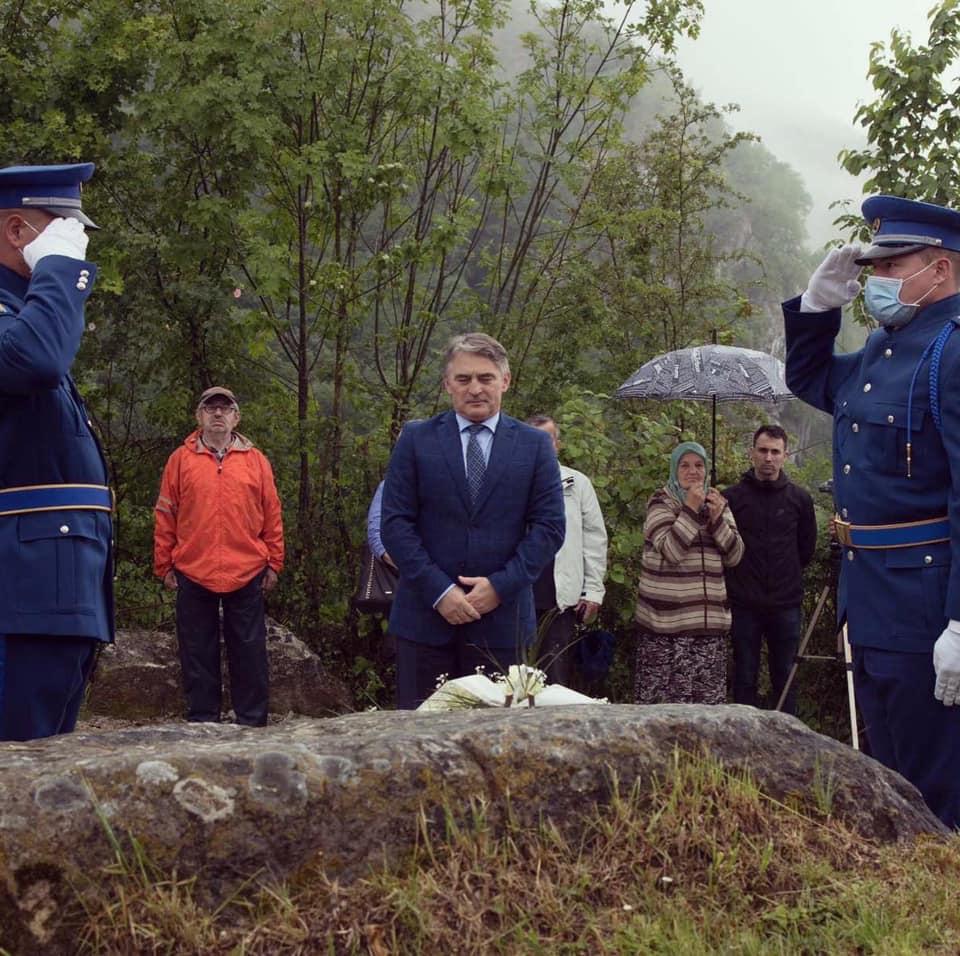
698	863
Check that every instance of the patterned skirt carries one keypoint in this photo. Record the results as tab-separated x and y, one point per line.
681	669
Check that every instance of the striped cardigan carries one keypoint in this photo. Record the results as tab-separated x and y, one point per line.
681	588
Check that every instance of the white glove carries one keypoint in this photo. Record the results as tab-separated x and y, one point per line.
946	662
834	284
62	237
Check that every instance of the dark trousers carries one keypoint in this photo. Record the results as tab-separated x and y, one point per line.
781	628
420	665
908	729
42	680
245	638
556	654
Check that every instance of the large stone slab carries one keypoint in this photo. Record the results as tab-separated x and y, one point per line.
138	677
225	802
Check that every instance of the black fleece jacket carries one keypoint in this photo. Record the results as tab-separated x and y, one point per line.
779	529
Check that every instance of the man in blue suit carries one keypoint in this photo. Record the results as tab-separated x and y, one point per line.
56	603
472	513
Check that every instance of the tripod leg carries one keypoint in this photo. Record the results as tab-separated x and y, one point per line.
848	661
821	601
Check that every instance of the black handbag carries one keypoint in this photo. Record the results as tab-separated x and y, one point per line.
378	584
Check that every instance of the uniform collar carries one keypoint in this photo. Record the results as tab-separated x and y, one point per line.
935	314
14	282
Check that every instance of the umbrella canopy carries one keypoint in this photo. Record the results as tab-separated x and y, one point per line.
722	372
711	373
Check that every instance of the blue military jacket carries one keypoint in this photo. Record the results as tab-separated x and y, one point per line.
893	598
57	574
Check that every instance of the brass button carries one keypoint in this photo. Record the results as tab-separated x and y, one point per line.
887	353
855	427
928	559
64	529
846	469
867	387
843	513
890	419
849	555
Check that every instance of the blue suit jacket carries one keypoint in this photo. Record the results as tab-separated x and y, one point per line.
57	577
434	535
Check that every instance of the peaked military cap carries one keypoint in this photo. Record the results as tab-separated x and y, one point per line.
54	189
902	226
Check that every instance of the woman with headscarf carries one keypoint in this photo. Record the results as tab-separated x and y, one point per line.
690	537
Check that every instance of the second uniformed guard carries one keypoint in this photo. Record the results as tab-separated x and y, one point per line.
56	603
896	452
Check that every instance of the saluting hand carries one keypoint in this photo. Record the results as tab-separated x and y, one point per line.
61	237
834	283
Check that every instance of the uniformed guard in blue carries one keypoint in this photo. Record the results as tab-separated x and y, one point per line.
896	446
56	604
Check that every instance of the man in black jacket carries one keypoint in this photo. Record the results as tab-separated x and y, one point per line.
779	529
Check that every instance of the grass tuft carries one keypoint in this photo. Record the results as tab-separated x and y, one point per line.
698	862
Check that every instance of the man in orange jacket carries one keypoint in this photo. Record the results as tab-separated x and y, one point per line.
218	539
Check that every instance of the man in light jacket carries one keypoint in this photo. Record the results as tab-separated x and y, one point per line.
218	540
570	589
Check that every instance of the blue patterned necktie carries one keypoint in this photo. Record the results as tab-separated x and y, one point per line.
476	465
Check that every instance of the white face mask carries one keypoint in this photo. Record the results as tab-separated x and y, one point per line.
881	296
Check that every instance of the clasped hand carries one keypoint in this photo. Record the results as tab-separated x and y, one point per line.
459	607
696	498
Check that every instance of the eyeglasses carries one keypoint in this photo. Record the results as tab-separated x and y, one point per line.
213	409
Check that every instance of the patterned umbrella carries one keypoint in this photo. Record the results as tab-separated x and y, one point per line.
710	373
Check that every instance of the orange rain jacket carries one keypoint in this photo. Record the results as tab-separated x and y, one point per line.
219	523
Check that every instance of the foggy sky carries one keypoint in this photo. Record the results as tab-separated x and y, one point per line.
797	68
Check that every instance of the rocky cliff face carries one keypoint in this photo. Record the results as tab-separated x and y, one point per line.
226	802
